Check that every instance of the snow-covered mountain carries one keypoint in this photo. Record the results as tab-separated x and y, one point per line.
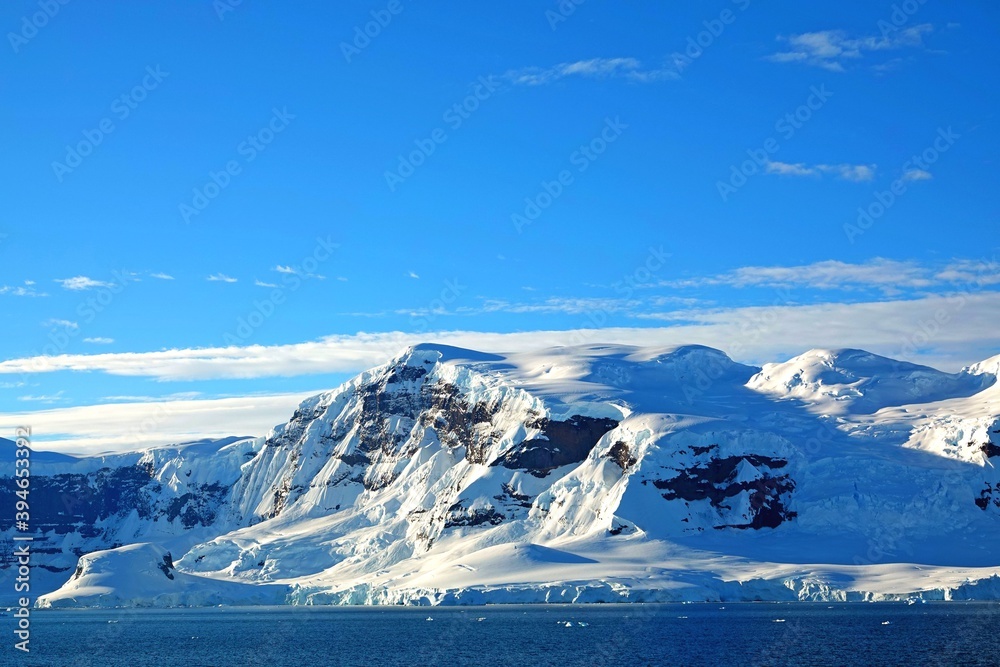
599	473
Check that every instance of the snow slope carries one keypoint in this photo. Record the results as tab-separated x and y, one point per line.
596	473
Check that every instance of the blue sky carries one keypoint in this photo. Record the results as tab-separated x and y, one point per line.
219	200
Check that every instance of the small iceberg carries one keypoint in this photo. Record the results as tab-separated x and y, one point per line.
778	620
428	619
885	622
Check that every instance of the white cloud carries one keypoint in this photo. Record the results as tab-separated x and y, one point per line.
128	426
26	290
161	276
99	340
261	283
221	278
60	324
79	283
885	274
831	49
857	173
786	329
787	169
53	398
296	271
566	306
971	271
595	68
917	175
550	306
414	275
829	274
176	396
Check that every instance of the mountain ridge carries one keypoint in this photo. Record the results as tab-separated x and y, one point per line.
615	472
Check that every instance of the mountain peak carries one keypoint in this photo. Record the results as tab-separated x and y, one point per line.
990	366
435	352
838	380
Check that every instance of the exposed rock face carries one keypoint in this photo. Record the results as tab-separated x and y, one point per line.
559	443
80	506
743	489
82	503
65	503
988	449
990	495
622	455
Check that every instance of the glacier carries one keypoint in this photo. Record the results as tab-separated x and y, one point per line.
596	473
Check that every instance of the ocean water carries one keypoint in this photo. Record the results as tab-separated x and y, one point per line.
671	634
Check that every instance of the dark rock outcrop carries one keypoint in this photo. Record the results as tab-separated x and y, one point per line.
714	480
560	443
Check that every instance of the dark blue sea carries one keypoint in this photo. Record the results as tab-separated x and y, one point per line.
675	634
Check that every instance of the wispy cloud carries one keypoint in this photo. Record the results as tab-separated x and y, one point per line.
413	275
879	273
857	173
99	340
917	175
876	325
557	305
221	278
966	271
261	283
50	398
629	69
550	306
161	276
176	396
296	271
79	283
54	323
831	49
27	289
128	425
